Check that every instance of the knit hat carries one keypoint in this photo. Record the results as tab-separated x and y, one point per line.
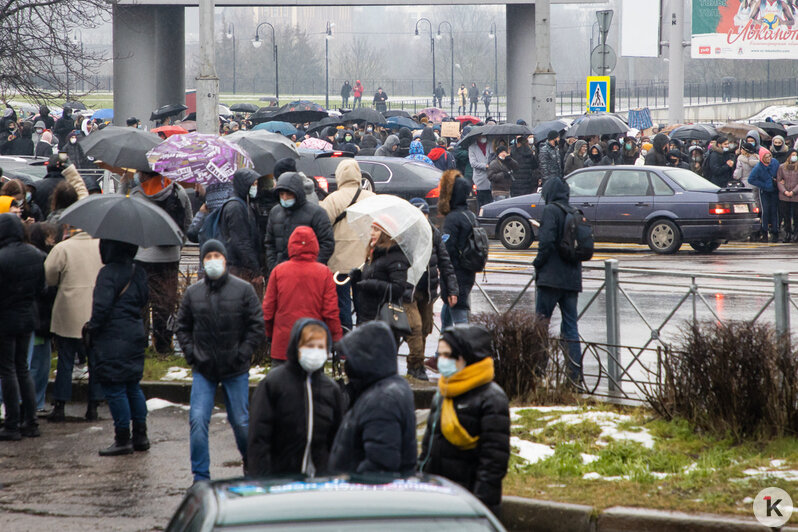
284	165
748	147
212	245
552	135
420	203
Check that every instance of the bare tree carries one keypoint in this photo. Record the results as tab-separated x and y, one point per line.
38	56
359	59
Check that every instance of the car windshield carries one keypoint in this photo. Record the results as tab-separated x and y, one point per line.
690	181
431	524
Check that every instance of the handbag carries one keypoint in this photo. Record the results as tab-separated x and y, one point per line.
395	316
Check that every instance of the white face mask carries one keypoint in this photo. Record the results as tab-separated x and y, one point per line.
312	358
73	140
794	159
253	191
214	268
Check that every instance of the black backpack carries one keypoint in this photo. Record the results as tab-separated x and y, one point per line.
474	256
576	244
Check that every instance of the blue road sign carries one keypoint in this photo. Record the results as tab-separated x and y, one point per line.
598	94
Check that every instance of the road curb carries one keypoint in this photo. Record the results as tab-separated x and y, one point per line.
519	513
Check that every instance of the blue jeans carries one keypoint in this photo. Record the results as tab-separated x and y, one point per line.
452	316
236	400
545	300
126	401
770	211
484	197
67	349
345	305
39	363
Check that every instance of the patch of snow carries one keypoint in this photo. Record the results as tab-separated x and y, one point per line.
608	422
588	458
530	451
790	475
777	463
176	373
659	474
157	403
777	113
257	373
592	476
644	437
748	500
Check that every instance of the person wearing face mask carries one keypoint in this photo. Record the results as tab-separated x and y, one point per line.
29	211
44	148
746	161
467	439
629	153
38	129
576	159
293	211
779	149
296	409
763	177
501	174
697	160
720	163
658	155
378	433
595	156
298	288
675	160
479	153
613	156
787	182
75	152
644	149
219	327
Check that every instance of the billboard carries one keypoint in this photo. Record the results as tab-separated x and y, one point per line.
640	28
745	29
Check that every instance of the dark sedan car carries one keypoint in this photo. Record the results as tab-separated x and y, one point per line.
416	504
14	166
659	206
386	175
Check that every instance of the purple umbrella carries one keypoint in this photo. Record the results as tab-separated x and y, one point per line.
434	114
198	158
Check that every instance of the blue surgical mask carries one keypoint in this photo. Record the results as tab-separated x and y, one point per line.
214	268
447	366
28	197
287	203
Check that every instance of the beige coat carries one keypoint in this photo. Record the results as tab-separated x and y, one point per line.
350	251
72	266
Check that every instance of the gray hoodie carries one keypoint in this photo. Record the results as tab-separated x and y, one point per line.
386	150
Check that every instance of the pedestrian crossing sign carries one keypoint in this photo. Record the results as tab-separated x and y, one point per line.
598	94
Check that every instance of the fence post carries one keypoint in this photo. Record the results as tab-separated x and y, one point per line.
613	325
781	301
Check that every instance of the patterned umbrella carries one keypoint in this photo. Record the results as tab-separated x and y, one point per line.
434	114
198	158
300	111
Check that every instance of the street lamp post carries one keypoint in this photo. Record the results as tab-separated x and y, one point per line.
231	34
492	35
327	37
432	46
451	47
256	42
79	39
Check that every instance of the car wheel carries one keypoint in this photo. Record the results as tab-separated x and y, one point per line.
705	247
516	233
663	237
367	183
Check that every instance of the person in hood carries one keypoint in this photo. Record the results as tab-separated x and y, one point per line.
75	152
115	334
238	229
44	148
457	227
441	158
480	153
595	156
558	281
427	139
501	173
525	180
293	211
219	327
378	433
675	160
297	288
577	158
368	145
779	149
657	156
44	117
20	141
162	263
467	439
349	248
720	163
550	160
753	137
405	138
297	409
21	281
63	126
614	155
746	161
763	177
417	154
358	91
696	155
629	151
390	147
346	91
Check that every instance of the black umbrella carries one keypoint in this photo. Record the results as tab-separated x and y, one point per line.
364	114
330	121
300	111
167	111
264	148
772	128
75	106
263	114
501	130
541	130
123	147
127	219
243	107
597	124
702	132
396	112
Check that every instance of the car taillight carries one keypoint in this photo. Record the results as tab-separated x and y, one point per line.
720	208
337	154
434	193
755	209
474	188
322	181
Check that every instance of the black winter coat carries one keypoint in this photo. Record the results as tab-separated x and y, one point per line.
219	326
551	270
378	433
384	275
525	182
501	174
282	223
456	230
720	173
44	189
43	149
280	409
116	324
439	262
239	225
63	126
656	156
21	278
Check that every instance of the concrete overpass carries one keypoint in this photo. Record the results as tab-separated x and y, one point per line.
149	51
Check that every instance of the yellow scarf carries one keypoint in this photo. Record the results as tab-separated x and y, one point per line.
466	379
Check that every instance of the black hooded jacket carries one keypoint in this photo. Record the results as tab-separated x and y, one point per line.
456	230
46	186
551	270
657	156
239	224
525	182
405	138
384	277
283	221
378	433
594	159
280	409
116	325
368	145
21	278
428	140
485	413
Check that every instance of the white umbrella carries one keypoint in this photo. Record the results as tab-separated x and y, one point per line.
404	223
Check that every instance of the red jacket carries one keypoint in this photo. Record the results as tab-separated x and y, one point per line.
359	90
299	288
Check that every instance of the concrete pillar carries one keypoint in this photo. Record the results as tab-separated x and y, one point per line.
544	80
521	59
207	80
676	66
149	59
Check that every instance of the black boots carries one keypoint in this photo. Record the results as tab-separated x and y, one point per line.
57	415
91	411
121	444
140	441
10	435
